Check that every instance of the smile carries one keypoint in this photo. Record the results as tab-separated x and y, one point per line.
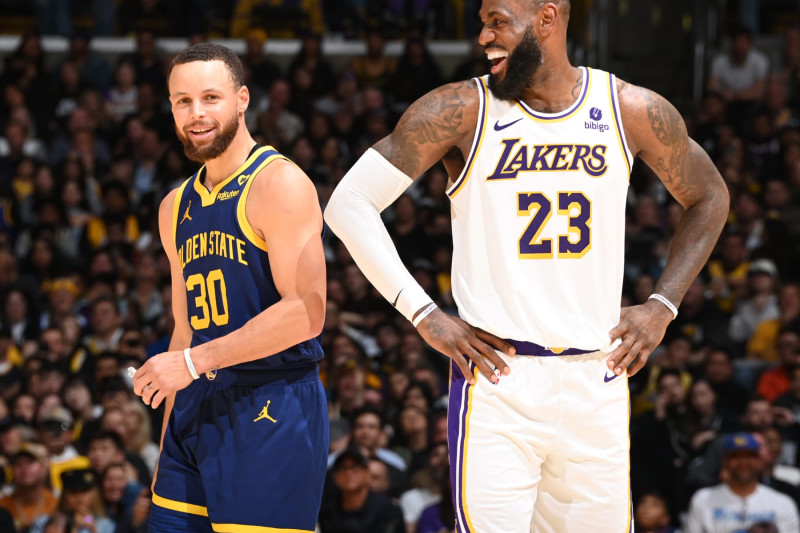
497	57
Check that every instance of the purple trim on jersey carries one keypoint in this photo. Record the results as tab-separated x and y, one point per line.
477	141
531	348
572	108
613	88
456	431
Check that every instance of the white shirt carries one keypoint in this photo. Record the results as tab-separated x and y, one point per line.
414	501
718	510
738	77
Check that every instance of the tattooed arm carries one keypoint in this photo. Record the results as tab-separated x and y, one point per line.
656	133
440	125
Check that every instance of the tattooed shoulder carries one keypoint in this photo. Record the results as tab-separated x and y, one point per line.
431	127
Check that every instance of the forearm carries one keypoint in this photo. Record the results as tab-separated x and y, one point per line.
691	247
353	213
279	327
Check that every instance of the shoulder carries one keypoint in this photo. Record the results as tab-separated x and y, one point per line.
281	191
768	493
703	495
168	201
646	116
464	93
280	179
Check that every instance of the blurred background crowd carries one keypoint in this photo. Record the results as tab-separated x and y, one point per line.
87	151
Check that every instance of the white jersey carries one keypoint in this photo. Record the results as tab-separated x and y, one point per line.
718	510
539	219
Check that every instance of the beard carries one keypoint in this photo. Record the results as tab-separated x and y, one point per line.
225	134
521	65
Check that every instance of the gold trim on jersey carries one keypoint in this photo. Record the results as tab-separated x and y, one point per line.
209	198
477	143
241	214
181	507
550	118
613	103
176	207
240	528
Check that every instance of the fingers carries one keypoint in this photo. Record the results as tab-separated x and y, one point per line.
141	379
615	360
495	341
637	365
148	393
489	353
481	364
157	399
463	365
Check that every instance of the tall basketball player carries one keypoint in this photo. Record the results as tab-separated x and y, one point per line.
245	439
539	153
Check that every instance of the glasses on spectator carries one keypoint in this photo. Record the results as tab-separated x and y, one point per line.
54	427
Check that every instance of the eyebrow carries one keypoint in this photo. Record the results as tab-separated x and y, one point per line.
496	12
211	90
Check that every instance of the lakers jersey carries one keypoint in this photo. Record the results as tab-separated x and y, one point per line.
539	219
225	264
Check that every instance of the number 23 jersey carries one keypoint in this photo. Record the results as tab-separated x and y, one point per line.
538	217
226	264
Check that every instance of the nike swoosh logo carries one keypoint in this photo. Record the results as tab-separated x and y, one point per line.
394	303
498	127
607	379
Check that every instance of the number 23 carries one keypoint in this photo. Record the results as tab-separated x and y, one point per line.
571	246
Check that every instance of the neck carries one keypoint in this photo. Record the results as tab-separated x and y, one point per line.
28	495
743	489
417	441
553	86
353	501
223	166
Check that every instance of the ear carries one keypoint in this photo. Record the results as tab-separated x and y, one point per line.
243	99
547	19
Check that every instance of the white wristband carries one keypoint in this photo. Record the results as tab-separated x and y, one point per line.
663	300
190	365
425	312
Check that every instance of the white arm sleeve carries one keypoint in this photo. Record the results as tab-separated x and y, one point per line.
353	213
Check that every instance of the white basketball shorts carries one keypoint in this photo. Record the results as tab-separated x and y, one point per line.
545	450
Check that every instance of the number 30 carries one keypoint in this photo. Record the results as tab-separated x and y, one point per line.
571	246
206	297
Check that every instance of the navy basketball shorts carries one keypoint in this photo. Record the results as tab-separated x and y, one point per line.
244	452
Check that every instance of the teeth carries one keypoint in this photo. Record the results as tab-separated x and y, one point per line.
494	53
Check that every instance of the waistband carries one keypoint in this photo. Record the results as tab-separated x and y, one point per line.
531	348
234	376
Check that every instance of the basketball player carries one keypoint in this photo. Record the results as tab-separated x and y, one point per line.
539	154
245	441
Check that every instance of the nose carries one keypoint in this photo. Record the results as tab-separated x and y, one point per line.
198	111
486	36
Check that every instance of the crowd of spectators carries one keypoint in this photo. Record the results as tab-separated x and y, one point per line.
440	19
87	151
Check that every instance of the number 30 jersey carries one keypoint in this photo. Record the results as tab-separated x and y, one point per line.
538	217
226	264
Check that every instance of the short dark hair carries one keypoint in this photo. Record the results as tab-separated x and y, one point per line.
369	410
115	438
211	52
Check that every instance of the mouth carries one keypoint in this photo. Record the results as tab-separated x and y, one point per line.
498	58
200	133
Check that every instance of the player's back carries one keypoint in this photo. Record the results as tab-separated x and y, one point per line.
225	263
539	219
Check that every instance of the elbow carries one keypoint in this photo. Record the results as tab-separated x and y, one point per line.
334	211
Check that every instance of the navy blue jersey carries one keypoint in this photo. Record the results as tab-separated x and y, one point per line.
225	264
